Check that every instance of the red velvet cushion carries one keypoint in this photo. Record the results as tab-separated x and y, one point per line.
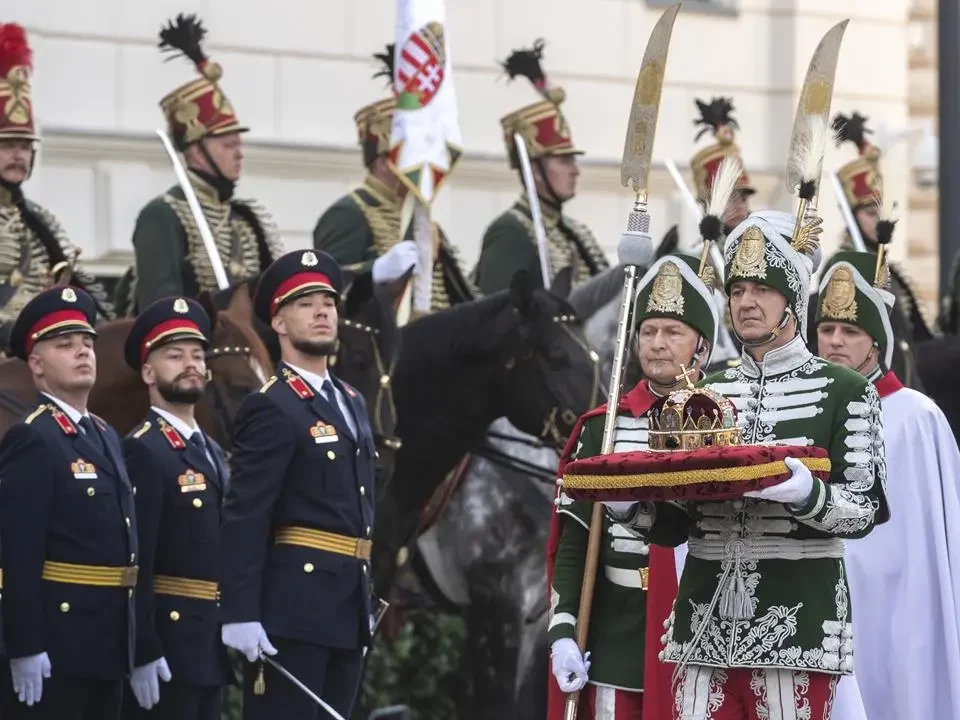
716	473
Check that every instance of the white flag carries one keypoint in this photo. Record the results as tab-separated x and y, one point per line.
425	141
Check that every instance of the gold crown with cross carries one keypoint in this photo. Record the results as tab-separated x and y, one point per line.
693	418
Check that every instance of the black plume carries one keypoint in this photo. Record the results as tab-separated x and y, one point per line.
885	231
850	129
669	243
808	188
387	59
526	62
184	36
711	228
714	115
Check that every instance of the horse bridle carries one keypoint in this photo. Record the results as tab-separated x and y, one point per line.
221	411
551	430
384	394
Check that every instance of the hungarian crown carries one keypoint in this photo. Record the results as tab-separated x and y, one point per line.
693	418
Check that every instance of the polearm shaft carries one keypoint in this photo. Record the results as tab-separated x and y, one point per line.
198	217
635	249
535	215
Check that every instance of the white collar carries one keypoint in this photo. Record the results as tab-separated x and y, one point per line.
776	362
75	415
179	425
315	380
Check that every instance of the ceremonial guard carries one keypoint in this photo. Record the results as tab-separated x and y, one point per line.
362	229
862	182
676	331
763	614
298	516
67	508
180	475
903	580
509	243
34	249
171	258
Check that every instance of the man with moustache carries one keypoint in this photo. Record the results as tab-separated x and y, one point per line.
34	248
510	243
762	618
298	516
180	476
676	331
903	580
67	509
171	258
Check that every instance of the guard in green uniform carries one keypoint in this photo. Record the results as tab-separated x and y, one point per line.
362	229
171	258
509	243
677	326
762	620
34	247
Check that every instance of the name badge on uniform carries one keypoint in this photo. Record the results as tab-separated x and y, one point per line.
83	470
192	481
323	433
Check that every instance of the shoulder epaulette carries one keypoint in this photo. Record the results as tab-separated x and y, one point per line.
139	433
36	413
266	386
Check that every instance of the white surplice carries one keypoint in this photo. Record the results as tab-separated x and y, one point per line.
905	575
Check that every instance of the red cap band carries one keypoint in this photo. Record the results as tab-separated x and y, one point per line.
181	326
297	282
60	318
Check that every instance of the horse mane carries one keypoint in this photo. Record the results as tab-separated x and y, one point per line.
251	339
597	292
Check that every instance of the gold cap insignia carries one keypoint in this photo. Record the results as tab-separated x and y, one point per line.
840	298
667	293
751	260
68	295
309	259
180	306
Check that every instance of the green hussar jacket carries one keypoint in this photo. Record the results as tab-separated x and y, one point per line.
171	258
764	583
616	637
510	244
362	226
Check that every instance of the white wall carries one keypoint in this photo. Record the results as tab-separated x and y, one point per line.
297	70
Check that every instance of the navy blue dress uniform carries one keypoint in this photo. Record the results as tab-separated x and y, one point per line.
67	520
298	520
179	484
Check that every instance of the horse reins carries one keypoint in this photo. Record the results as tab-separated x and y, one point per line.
222	412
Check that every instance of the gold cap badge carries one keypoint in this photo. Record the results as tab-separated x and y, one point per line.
667	292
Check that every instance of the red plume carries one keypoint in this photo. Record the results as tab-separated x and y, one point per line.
14	49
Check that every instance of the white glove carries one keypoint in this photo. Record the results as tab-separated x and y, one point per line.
569	666
395	262
249	638
795	490
28	674
145	681
619	508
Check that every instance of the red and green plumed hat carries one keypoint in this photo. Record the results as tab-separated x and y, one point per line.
199	108
16	65
716	117
861	178
542	126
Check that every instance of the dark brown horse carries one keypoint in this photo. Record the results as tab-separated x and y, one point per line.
237	363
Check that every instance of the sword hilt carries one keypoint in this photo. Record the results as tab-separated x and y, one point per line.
639	220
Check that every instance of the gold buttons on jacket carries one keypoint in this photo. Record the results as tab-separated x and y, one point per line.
331	454
308	568
91	492
197	502
174	615
64	607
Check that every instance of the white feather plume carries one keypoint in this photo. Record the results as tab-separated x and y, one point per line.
807	160
887	204
724	183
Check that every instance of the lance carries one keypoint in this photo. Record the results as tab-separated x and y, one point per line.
535	215
198	217
636	248
855	236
